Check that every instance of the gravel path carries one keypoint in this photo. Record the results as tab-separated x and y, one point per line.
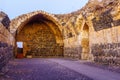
39	69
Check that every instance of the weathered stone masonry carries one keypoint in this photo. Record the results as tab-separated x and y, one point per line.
104	33
103	21
39	41
82	31
40	33
6	46
106	53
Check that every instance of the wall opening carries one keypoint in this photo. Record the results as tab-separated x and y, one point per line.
19	44
19	49
85	42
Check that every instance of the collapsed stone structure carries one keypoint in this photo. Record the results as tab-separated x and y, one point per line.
6	40
91	33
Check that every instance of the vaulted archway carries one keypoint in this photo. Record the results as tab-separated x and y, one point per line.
40	34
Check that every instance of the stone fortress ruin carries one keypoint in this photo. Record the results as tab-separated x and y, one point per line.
91	33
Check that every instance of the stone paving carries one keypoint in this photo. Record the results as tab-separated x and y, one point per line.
93	72
56	69
112	68
39	69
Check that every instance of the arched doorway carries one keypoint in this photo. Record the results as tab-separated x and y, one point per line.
85	42
41	37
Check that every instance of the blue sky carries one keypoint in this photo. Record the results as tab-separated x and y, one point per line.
17	7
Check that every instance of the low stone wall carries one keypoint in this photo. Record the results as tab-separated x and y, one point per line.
6	46
108	54
74	52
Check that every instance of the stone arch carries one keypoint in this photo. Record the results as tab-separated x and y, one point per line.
85	42
23	19
79	24
45	19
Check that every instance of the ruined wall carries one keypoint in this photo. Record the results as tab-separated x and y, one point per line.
89	33
104	31
70	31
39	40
103	21
6	46
75	38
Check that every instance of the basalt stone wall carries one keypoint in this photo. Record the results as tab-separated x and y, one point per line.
74	52
6	46
106	53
